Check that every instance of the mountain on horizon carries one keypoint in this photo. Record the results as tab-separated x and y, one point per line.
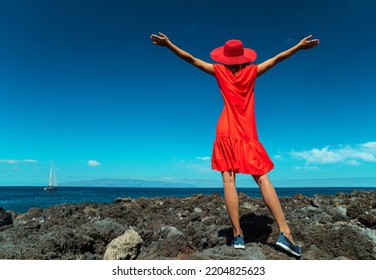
128	183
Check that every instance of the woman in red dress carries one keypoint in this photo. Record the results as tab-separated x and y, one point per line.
236	147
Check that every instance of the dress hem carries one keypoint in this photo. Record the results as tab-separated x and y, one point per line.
240	156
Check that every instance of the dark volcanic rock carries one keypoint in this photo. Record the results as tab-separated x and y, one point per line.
5	218
342	226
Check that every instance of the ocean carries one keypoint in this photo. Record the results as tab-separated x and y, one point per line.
21	199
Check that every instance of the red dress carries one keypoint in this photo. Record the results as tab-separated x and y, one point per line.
236	146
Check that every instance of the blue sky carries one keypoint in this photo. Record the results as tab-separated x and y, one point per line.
82	85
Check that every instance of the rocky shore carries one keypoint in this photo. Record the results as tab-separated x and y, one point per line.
342	226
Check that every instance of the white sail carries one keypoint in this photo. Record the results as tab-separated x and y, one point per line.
52	181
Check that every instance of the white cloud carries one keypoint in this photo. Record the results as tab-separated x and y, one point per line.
306	168
92	162
9	161
16	161
30	160
370	146
353	162
204	158
323	155
351	155
277	157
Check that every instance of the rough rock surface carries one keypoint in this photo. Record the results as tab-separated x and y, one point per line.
5	217
342	226
125	247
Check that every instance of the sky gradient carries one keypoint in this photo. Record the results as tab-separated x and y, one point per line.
81	85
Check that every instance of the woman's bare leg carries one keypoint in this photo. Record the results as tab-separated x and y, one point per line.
271	200
232	200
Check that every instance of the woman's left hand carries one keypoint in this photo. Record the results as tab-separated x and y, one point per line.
161	40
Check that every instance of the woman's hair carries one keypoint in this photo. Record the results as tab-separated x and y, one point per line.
235	68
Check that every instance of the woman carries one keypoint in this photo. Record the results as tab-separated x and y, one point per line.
236	147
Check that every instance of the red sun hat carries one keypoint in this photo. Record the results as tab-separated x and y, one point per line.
233	53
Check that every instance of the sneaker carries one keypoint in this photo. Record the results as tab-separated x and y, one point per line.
238	242
284	243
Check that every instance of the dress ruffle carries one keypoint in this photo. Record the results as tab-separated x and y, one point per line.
239	156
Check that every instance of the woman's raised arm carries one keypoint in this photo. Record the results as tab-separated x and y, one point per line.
304	44
163	41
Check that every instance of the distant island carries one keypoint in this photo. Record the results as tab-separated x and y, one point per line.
124	183
242	181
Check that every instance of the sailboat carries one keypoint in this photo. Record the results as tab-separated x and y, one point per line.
52	182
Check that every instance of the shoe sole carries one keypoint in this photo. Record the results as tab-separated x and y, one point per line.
238	246
286	248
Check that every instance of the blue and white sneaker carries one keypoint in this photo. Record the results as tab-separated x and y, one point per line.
284	243
238	242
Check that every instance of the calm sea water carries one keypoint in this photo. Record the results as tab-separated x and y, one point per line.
21	199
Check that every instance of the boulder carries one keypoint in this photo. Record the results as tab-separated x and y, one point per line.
124	247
